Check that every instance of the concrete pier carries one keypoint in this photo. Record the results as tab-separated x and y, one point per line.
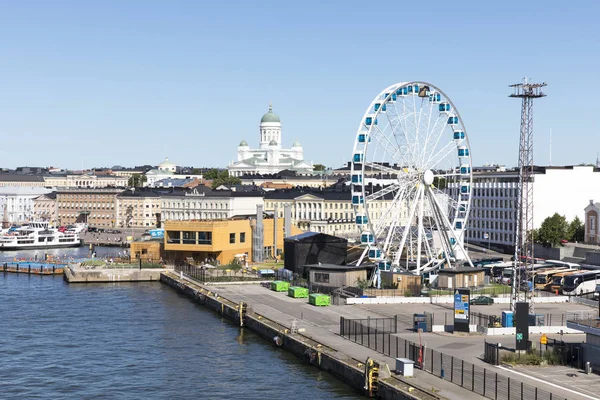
338	358
75	274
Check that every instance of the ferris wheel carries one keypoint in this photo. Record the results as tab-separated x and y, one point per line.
411	179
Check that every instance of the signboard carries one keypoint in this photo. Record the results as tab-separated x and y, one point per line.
544	339
157	233
461	310
522	325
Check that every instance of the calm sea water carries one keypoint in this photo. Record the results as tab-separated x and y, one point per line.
137	341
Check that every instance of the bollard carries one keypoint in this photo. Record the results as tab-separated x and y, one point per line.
29	269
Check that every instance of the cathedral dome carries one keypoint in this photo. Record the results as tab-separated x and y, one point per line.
272	143
296	144
167	165
270	116
243	143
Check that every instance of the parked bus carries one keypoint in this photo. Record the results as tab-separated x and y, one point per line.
543	279
557	280
484	261
581	283
565	264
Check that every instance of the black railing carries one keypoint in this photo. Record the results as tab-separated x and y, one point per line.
469	376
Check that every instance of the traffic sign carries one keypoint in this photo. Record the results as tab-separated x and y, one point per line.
544	339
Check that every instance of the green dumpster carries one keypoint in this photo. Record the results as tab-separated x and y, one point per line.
317	299
280	286
298	292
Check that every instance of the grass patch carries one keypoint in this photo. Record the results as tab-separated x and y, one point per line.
491	290
533	358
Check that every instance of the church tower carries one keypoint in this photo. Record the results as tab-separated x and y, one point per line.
270	129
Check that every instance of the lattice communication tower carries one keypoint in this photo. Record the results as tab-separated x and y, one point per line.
524	200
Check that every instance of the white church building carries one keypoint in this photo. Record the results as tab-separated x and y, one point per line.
270	157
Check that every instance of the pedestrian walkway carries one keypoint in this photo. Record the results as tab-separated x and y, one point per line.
322	324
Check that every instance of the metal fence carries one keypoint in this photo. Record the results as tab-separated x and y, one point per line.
204	274
462	373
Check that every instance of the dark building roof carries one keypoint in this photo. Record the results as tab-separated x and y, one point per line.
21	178
312	236
336	192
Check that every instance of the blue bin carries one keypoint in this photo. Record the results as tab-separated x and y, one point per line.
507	319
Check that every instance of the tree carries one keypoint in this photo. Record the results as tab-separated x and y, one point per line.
319	167
553	229
211	174
136	180
223	178
576	231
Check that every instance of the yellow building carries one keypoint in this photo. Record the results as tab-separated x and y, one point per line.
219	241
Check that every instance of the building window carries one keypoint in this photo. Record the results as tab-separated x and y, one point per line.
232	238
173	236
204	237
242	237
189	237
321	278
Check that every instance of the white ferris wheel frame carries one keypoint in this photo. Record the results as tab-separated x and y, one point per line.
445	226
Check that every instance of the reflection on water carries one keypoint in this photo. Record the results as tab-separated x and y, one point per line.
137	341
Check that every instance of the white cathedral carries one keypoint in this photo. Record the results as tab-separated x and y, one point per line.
270	158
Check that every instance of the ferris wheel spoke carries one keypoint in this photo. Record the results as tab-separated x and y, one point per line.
387	145
383	168
434	133
442	154
392	213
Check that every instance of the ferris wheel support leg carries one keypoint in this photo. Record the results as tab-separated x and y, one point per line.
395	218
420	231
411	216
446	246
447	221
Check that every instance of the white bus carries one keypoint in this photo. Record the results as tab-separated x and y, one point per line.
564	264
580	283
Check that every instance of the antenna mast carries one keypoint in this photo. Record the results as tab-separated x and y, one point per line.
524	202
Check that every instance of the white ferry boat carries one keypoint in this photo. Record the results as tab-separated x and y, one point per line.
38	235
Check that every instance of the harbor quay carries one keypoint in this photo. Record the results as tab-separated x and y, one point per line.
315	340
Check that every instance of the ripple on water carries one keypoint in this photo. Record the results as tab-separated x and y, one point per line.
132	341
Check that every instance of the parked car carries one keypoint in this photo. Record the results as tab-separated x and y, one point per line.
481	301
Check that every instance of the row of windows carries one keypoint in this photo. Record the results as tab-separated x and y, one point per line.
495	192
493	203
242	237
492	214
193	204
87	206
492	225
493	236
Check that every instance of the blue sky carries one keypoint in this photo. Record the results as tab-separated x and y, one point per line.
131	82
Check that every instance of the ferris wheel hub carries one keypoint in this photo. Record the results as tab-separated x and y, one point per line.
428	177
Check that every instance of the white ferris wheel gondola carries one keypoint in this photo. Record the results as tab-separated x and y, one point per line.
411	179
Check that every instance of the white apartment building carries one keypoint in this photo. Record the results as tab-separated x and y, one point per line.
202	203
560	190
17	203
85	181
325	211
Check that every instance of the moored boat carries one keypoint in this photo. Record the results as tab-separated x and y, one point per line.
38	235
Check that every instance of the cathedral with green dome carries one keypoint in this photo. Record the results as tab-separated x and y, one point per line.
270	157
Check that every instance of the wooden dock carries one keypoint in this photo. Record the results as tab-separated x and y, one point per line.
28	270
